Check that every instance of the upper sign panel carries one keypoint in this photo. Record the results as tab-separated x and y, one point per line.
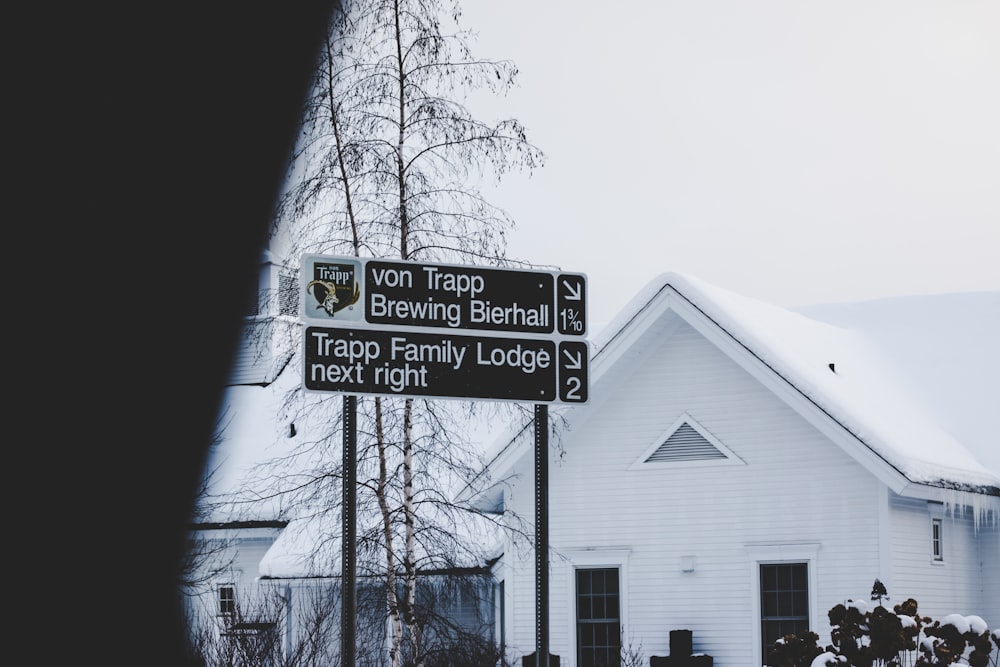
357	291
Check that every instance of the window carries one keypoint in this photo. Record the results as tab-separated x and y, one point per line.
227	600
598	624
784	602
936	547
288	294
502	618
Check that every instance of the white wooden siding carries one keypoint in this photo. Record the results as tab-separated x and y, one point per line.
960	583
989	556
796	488
242	552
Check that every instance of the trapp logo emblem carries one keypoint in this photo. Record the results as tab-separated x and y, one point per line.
333	287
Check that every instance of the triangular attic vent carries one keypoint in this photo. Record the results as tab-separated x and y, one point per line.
685	444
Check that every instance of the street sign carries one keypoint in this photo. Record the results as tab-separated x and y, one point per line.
386	328
365	292
571	300
423	364
574	357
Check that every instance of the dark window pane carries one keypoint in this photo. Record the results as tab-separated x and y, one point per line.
599	608
768	577
784	602
598	630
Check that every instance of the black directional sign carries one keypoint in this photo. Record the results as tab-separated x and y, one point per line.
352	291
402	294
571	303
399	363
573	384
413	329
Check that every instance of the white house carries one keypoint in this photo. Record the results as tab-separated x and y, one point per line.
740	469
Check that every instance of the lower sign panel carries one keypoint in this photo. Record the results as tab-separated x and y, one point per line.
394	363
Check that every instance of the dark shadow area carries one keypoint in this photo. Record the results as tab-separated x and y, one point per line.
155	142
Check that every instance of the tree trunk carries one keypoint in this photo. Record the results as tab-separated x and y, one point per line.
409	509
392	604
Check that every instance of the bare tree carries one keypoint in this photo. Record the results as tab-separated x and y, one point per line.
248	636
390	164
391	160
251	634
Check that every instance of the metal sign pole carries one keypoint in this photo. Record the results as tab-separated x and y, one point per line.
541	535
348	534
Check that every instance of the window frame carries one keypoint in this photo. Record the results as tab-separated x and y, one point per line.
778	592
608	621
596	558
220	602
781	554
288	294
501	618
936	543
937	539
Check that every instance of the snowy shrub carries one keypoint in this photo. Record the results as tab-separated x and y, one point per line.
876	637
959	640
793	651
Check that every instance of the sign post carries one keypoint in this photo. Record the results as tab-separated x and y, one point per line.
541	535
408	329
348	542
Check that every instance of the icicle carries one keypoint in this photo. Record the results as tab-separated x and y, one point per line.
985	509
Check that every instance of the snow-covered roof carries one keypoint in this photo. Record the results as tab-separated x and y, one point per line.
310	547
916	379
251	431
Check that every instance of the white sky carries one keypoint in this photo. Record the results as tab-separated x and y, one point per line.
793	151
